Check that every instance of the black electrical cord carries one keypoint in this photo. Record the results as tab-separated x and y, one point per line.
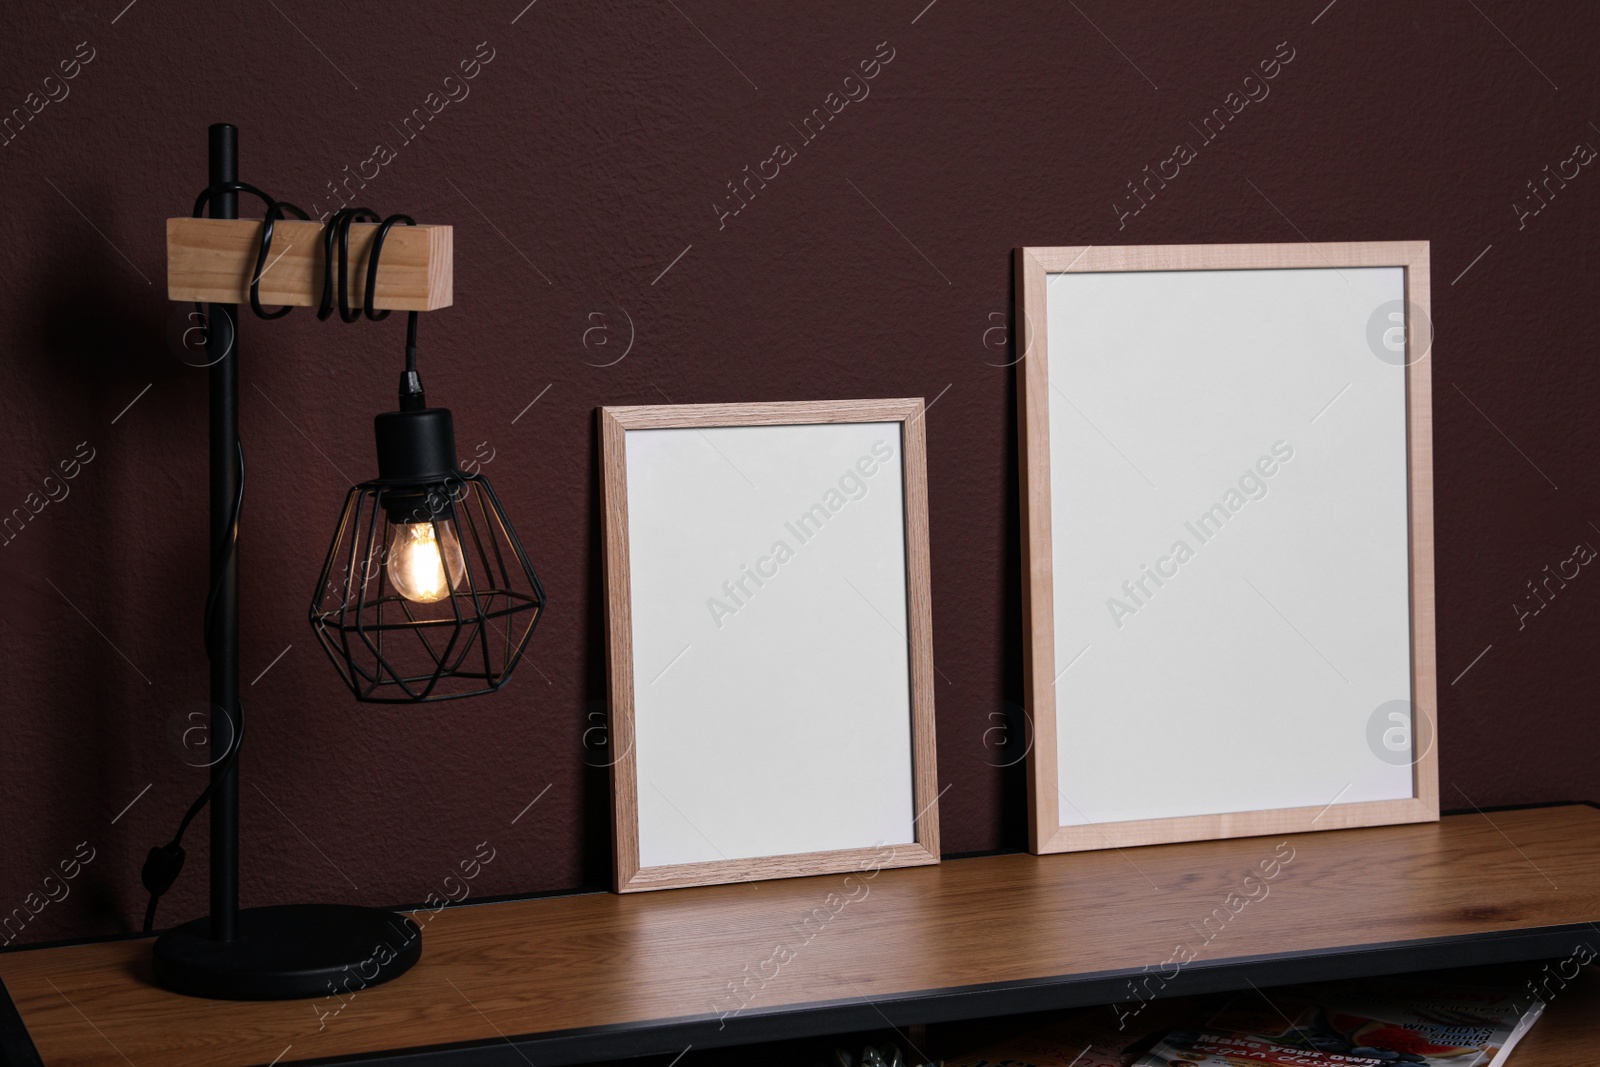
164	862
410	385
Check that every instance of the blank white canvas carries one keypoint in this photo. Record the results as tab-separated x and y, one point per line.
780	722
1246	680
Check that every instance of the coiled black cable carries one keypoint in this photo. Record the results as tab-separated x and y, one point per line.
165	862
339	228
275	211
372	290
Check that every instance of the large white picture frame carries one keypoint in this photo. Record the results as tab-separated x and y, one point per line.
1227	522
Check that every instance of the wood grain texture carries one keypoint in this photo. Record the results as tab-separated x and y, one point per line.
539	966
1419	445
1081	259
1038	586
628	875
919	634
1136	832
1032	269
619	647
213	260
781	413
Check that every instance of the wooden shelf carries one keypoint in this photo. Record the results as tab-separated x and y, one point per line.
598	976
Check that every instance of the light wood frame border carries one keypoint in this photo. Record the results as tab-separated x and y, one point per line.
1032	266
924	849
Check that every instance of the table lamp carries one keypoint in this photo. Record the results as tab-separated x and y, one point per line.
426	594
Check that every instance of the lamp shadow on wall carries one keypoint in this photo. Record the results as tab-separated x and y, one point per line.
90	342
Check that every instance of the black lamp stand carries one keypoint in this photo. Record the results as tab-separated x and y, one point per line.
284	951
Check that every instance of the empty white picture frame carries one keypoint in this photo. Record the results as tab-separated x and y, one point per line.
1227	522
770	640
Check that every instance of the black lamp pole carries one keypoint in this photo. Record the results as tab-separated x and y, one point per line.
222	353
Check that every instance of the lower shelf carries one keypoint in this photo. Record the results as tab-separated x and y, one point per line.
1566	1035
1569	1033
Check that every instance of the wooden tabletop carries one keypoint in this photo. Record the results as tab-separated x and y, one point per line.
735	963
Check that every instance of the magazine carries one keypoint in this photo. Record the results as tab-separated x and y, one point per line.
1197	1048
1397	1022
1402	1022
1088	1037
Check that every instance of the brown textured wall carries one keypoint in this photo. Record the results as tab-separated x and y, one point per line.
590	152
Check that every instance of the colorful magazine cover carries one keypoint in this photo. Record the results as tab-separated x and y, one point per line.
1088	1037
1198	1048
1395	1022
1402	1022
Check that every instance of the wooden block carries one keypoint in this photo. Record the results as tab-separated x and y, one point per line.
213	260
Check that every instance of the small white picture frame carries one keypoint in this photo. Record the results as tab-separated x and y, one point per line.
769	639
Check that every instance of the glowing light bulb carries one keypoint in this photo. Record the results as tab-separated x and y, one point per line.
425	567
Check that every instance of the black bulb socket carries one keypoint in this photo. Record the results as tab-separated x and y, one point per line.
417	457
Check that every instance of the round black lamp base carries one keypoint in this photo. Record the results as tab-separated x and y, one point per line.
289	951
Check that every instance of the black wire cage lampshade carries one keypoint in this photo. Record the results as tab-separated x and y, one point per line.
427	593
